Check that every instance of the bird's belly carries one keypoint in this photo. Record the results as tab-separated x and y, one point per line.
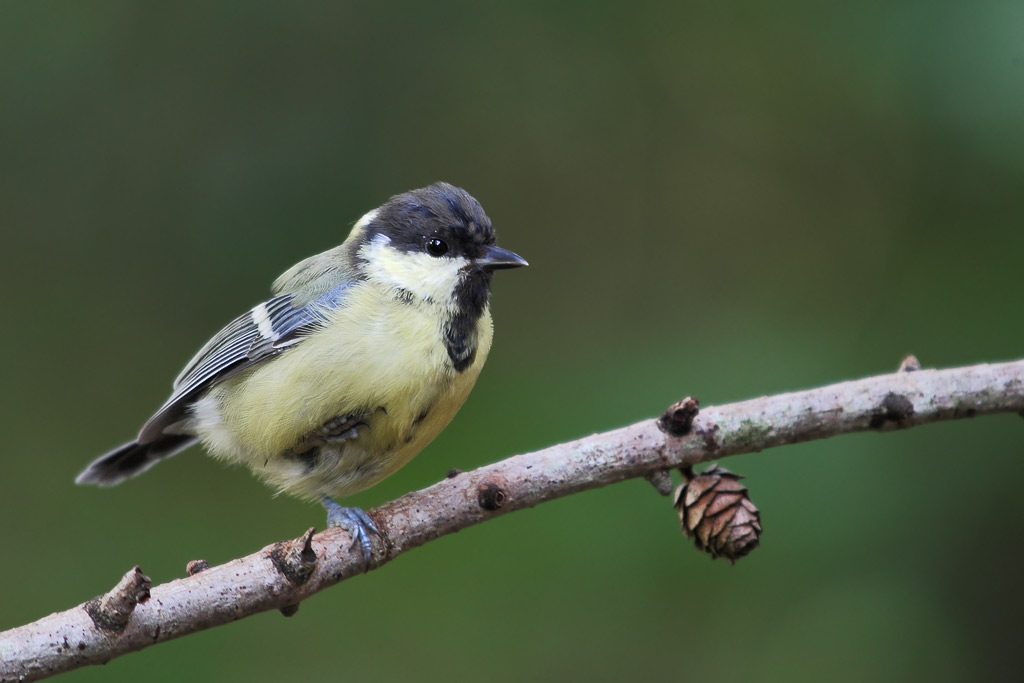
397	387
391	438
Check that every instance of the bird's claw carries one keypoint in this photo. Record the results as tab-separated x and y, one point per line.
357	523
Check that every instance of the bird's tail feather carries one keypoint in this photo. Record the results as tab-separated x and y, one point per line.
132	458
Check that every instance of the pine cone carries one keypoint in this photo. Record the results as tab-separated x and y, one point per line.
717	514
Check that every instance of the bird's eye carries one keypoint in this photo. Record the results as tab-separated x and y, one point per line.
436	247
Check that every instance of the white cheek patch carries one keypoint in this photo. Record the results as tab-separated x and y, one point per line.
427	277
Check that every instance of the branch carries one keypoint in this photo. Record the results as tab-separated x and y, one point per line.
282	575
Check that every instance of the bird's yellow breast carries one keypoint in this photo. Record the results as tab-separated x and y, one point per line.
378	358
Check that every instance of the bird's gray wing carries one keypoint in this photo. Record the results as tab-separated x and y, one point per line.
253	337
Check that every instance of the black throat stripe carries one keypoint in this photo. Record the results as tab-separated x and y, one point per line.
471	296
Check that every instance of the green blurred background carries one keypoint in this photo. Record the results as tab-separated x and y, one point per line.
717	199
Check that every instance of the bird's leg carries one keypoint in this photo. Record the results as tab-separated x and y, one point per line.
341	428
335	431
356	522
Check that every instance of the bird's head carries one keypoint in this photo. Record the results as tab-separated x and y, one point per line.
433	245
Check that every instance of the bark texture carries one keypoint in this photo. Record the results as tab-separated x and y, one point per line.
132	616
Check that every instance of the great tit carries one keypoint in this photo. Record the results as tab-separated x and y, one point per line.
362	356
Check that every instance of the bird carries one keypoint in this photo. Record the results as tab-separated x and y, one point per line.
363	354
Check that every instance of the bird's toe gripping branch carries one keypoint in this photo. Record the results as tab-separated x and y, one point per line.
357	523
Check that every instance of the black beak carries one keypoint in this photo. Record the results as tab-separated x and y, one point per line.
494	257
